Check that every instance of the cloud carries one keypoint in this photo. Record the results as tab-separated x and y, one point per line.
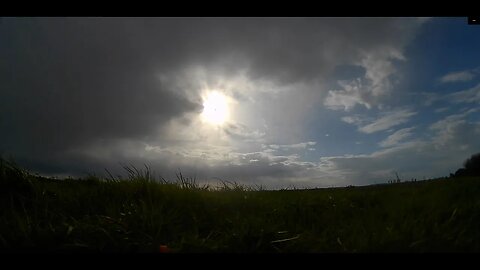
348	97
379	68
209	163
87	93
296	146
369	90
387	120
242	132
460	76
454	128
72	81
471	95
378	166
390	119
353	119
451	141
448	143
396	137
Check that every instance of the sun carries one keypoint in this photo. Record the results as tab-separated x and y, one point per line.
215	108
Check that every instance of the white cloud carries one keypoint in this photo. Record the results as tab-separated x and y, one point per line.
379	69
353	119
453	140
296	146
460	76
396	137
390	119
466	96
346	98
471	95
387	120
454	128
243	133
380	166
369	90
454	118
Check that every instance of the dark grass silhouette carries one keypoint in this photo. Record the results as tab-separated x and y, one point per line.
141	214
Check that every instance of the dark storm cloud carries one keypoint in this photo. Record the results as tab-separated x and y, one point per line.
68	83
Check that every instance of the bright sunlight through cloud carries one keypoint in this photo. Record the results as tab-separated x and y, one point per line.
215	108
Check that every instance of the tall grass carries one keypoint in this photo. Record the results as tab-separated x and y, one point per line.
141	213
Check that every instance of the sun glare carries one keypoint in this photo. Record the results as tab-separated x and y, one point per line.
215	108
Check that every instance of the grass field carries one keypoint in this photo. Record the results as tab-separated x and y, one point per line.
140	214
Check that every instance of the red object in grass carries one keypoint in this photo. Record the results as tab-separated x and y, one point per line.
164	249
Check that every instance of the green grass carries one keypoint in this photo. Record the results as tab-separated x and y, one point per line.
139	214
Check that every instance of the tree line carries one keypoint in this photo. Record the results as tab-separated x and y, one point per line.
471	167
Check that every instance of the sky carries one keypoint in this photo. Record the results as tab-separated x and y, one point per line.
276	102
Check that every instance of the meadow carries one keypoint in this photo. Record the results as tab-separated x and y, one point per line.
143	214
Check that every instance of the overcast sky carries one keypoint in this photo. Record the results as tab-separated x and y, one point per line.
312	102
